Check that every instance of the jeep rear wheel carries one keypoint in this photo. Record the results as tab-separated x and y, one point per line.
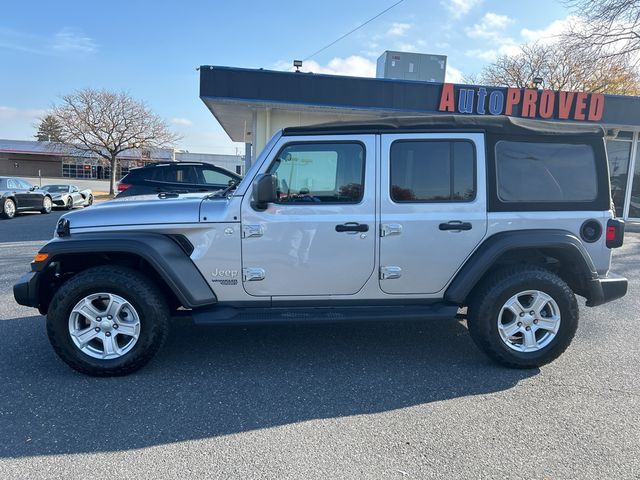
107	321
523	317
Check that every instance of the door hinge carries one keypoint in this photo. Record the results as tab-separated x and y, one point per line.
387	229
252	231
253	274
390	272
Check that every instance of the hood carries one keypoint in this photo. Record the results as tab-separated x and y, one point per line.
136	211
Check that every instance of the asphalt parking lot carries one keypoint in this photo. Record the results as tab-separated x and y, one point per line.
409	400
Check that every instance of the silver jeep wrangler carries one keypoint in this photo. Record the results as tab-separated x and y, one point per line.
403	218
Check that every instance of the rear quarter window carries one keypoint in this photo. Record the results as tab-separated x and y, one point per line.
134	176
211	176
545	172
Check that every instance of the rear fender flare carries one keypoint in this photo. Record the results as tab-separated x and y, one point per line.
494	247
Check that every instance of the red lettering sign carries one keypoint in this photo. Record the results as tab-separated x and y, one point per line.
447	100
596	107
529	102
581	104
513	98
547	101
565	99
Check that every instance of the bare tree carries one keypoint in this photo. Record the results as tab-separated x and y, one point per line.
563	68
612	27
106	124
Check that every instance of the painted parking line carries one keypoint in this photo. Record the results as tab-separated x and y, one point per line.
29	244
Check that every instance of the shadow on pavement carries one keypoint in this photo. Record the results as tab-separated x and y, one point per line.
215	381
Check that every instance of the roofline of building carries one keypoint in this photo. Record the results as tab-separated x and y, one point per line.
231	93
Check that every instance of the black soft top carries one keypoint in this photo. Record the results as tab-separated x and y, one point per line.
501	125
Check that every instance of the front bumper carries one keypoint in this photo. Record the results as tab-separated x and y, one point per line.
58	202
25	291
603	290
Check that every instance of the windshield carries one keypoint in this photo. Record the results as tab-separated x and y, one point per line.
56	188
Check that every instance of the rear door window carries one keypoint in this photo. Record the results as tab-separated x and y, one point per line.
545	172
175	174
432	171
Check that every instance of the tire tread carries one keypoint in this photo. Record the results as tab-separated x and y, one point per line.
129	280
482	302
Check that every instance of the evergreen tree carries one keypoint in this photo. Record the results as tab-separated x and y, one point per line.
49	129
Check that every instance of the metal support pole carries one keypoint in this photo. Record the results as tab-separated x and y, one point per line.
247	157
632	165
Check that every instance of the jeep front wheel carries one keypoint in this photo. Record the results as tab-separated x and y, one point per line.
107	321
523	317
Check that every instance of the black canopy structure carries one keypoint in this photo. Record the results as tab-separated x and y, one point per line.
252	104
451	123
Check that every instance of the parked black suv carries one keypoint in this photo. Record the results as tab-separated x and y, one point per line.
175	177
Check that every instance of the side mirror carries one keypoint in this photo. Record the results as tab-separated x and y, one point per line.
264	191
33	188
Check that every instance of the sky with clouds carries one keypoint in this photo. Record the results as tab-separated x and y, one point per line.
151	48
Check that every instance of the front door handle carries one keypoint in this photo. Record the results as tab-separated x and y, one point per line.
455	225
352	227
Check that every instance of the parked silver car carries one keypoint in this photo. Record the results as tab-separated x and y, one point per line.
69	196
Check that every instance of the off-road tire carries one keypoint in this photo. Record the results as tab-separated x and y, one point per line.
132	286
487	301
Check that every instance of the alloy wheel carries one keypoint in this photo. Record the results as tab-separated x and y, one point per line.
104	326
9	208
529	321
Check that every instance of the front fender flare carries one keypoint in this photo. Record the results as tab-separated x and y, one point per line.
165	255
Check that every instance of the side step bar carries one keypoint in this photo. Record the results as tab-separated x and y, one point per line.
222	315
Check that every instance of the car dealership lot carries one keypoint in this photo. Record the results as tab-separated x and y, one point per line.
410	400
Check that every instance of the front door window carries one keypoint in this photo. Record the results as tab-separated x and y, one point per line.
320	173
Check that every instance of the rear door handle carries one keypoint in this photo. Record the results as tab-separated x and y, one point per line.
352	227
455	225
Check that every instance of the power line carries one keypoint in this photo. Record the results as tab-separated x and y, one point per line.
355	29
